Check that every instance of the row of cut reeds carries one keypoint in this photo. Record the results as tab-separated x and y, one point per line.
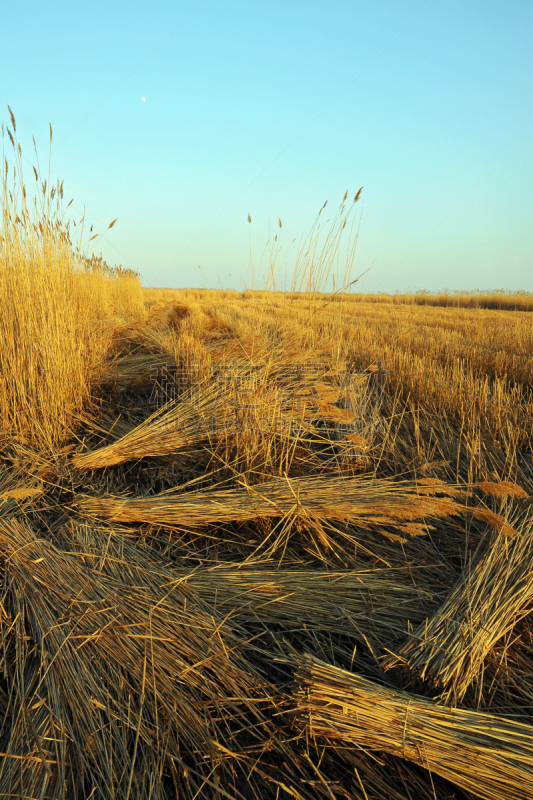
358	500
492	595
492	757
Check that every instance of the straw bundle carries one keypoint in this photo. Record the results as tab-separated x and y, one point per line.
171	428
358	500
267	397
489	756
106	676
207	410
486	603
375	603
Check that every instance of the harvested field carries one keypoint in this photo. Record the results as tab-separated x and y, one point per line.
260	544
224	568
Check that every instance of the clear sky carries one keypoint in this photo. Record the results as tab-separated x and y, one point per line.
181	118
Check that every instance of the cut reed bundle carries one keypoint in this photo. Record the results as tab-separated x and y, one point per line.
169	429
490	756
490	597
267	399
360	501
377	603
108	676
209	409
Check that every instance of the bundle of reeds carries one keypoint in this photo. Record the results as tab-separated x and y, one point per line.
402	504
489	598
490	756
108	677
171	428
267	397
377	603
210	408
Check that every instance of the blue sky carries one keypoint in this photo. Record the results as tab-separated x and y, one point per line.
271	108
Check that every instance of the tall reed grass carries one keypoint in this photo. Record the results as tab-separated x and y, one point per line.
54	294
495	299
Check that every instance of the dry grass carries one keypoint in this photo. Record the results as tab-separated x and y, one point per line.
501	300
54	296
198	488
489	756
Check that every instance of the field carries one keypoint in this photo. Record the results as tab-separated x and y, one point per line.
259	544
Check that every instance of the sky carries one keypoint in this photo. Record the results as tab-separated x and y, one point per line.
182	118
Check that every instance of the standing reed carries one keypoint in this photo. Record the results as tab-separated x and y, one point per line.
51	350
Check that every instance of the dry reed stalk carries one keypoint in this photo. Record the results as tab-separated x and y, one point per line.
258	398
359	501
108	676
490	756
490	597
378	603
51	351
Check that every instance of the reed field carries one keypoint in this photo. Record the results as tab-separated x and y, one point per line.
261	543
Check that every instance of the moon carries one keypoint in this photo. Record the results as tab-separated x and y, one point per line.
143	99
